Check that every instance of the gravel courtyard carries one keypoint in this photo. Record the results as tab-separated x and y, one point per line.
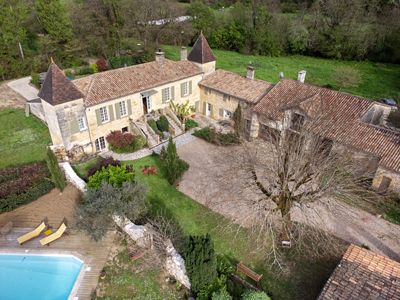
206	182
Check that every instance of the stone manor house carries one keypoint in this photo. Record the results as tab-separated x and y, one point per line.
84	111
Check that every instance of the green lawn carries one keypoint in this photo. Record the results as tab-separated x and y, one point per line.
22	139
376	80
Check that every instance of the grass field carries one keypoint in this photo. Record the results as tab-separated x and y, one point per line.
22	139
307	275
375	80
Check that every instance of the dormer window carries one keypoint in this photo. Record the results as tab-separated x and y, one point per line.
297	121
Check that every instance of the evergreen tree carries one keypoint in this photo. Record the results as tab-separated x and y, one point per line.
237	118
200	262
57	175
174	166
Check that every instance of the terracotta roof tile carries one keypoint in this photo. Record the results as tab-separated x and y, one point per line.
201	51
339	118
57	88
250	90
112	84
363	274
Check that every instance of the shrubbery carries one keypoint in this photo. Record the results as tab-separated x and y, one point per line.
253	295
102	65
103	162
189	124
211	136
23	184
57	175
125	142
114	175
173	165
162	123
94	214
35	80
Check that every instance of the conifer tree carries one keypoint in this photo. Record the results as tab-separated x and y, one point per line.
237	118
174	166
57	175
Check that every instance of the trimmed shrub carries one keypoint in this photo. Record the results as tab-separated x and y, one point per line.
200	262
120	61
35	80
173	165
237	118
254	295
23	184
86	70
94	68
222	139
125	142
162	123
102	65
57	175
189	124
114	175
103	162
152	123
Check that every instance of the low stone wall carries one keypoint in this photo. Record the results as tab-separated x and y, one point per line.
72	177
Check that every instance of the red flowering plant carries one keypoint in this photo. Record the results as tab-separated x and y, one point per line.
149	170
120	141
102	65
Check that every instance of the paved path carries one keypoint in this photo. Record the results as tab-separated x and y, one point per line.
22	86
179	141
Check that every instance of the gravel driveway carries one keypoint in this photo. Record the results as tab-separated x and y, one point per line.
206	182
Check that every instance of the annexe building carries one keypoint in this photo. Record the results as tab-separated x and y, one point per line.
84	111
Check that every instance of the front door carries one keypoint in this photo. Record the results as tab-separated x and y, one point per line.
208	109
145	104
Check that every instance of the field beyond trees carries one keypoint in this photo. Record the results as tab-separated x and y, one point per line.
362	78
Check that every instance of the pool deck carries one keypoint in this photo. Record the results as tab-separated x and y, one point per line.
56	207
93	254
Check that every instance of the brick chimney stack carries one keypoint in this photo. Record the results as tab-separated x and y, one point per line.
184	53
250	72
301	76
160	56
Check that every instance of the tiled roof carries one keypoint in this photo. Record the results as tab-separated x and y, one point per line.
57	88
363	274
104	86
250	90
339	118
201	51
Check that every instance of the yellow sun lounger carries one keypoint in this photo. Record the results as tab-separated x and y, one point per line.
56	235
32	234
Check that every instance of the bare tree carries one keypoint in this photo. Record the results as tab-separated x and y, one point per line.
288	174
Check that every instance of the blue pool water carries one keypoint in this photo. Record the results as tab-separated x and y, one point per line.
37	277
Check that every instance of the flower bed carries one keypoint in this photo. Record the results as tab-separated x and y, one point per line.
23	184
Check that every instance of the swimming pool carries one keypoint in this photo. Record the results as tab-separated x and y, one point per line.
41	277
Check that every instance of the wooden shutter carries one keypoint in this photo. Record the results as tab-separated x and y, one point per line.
128	102
111	112
196	106
73	125
182	85
221	112
190	87
205	108
118	110
164	95
172	93
211	110
98	117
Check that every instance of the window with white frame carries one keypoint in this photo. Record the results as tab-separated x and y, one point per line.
100	143
81	124
104	114
122	109
185	88
227	114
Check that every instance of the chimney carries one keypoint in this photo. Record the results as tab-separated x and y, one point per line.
250	72
281	75
301	76
184	53
160	56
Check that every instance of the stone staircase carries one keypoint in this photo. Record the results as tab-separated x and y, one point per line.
176	127
152	138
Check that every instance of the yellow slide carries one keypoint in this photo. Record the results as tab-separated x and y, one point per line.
32	234
56	235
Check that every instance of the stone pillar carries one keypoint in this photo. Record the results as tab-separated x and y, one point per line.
255	125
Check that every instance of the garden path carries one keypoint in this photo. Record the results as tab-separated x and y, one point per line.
206	182
22	86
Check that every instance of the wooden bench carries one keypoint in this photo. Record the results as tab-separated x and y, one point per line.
240	267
